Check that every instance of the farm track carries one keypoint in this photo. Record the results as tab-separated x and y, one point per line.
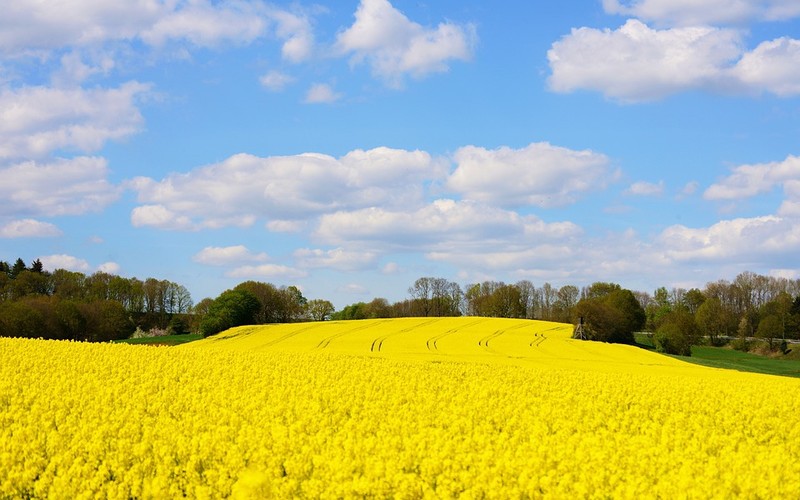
378	342
291	334
327	340
540	337
433	343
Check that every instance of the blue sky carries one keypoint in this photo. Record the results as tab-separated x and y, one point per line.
351	147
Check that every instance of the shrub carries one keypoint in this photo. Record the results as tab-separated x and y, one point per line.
670	339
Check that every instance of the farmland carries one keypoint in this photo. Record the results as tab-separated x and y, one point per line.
412	408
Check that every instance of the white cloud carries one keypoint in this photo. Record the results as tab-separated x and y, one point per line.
637	63
63	261
224	256
751	180
160	217
322	93
284	188
441	224
30	27
741	240
337	258
539	174
205	24
266	271
35	121
286	226
773	66
696	12
643	188
298	35
109	267
395	46
29	228
275	80
61	187
75	70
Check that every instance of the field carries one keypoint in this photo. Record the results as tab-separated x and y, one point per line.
406	408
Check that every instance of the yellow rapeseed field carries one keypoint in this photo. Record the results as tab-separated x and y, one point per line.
405	408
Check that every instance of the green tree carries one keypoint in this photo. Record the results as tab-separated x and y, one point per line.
713	320
602	322
677	333
18	319
769	328
106	320
18	267
178	325
611	316
232	308
319	309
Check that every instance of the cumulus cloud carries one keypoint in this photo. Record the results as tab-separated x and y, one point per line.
440	224
773	66
337	258
35	121
284	188
61	187
704	12
395	46
29	228
273	271
205	24
28	27
109	267
539	174
160	217
636	63
63	261
224	256
322	93
297	33
643	188
751	180
740	240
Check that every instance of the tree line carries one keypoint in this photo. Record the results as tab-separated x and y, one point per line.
70	305
750	306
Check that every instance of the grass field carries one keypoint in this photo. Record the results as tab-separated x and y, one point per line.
724	357
169	340
405	408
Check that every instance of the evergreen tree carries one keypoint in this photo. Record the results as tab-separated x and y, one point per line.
17	268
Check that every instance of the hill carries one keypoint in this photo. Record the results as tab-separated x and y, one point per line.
457	339
403	408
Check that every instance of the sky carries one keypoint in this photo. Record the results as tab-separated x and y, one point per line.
351	147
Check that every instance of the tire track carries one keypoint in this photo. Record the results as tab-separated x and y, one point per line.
540	337
327	340
292	334
377	344
432	343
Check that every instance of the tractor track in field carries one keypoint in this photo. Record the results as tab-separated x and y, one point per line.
540	337
484	342
433	343
292	334
377	344
327	340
